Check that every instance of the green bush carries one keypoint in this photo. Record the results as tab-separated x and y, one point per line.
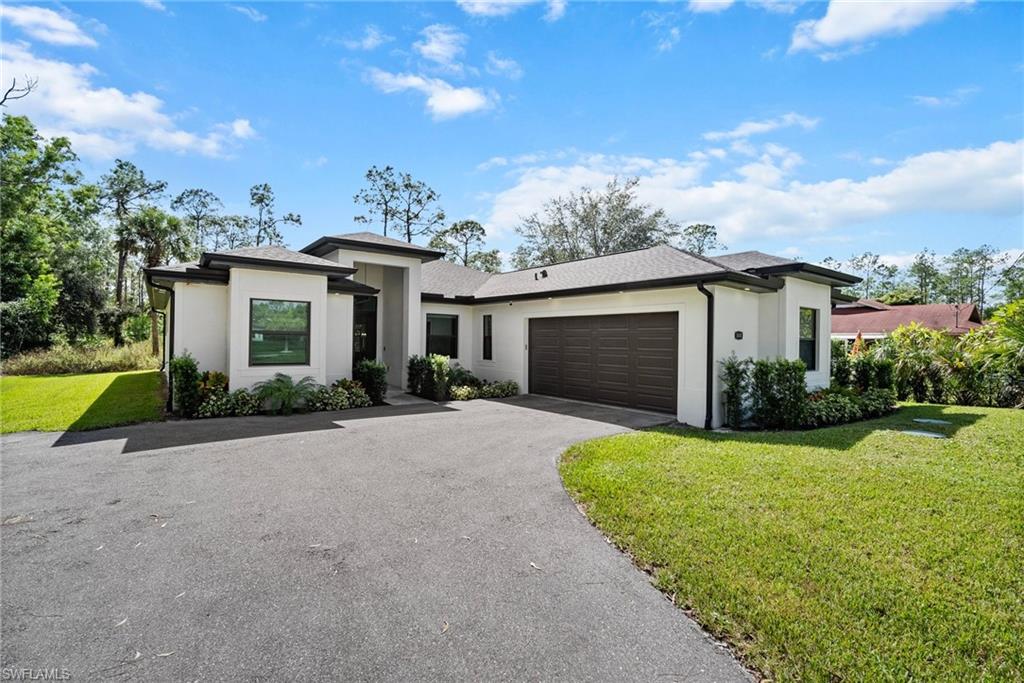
328	398
464	393
503	389
840	364
357	396
82	359
418	368
217	403
185	385
460	376
245	402
373	375
839	406
439	374
735	377
778	392
212	381
283	394
137	327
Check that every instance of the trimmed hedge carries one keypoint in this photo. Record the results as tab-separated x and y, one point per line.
436	378
373	375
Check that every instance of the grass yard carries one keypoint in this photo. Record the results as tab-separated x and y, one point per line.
848	553
77	402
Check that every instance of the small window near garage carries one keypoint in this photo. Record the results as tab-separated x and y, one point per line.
443	335
809	337
487	338
278	332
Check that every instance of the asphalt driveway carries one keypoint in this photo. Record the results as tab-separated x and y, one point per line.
403	543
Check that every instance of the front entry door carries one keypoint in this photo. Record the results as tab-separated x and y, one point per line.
364	328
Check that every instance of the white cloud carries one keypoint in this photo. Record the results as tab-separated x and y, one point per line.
493	162
503	8
104	122
500	66
748	128
371	39
444	100
155	5
318	162
776	6
849	25
46	25
442	45
710	5
985	180
670	39
250	13
953	99
241	129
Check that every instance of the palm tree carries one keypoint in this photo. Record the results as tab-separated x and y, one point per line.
158	237
283	393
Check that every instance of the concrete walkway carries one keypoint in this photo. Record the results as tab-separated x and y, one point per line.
417	542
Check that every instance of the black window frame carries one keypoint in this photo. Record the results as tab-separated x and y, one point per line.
488	342
309	309
811	341
454	343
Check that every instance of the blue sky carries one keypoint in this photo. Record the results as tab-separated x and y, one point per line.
809	129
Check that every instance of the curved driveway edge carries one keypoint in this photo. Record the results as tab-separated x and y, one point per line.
401	544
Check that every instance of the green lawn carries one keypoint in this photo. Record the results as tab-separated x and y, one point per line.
76	402
849	553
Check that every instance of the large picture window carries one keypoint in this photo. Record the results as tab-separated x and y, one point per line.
278	332
443	335
488	344
809	337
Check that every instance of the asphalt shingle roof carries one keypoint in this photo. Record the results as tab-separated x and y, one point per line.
451	279
871	320
746	260
273	253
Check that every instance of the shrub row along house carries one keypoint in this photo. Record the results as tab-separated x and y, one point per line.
642	329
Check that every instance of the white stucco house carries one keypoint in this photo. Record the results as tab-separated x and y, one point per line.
642	329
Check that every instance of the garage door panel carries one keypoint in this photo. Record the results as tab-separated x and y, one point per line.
626	360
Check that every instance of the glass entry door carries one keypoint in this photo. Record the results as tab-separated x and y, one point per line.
364	328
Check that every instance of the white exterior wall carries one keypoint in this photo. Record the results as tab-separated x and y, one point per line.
470	326
249	284
780	313
511	330
200	318
338	345
735	311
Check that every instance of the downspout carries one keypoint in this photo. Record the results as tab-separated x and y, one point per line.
169	346
710	370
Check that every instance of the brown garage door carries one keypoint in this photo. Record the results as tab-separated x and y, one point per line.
624	360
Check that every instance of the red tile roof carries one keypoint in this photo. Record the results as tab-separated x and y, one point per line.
872	317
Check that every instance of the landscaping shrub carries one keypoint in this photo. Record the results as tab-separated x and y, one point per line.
418	367
185	385
327	398
283	394
735	377
82	359
830	408
503	389
438	378
840	364
460	376
464	393
212	381
373	375
778	392
357	396
217	403
137	327
245	402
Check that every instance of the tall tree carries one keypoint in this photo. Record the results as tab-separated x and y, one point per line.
200	208
876	276
381	197
924	272
418	212
161	238
264	224
230	232
125	188
591	223
488	261
459	241
701	238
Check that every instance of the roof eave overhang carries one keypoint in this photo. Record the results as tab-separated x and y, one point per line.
213	260
735	280
326	245
809	271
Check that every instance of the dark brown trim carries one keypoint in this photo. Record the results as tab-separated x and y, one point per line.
827	275
327	244
212	257
351	287
193	275
309	332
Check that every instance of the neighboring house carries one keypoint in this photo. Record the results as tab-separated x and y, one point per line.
874	320
642	329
